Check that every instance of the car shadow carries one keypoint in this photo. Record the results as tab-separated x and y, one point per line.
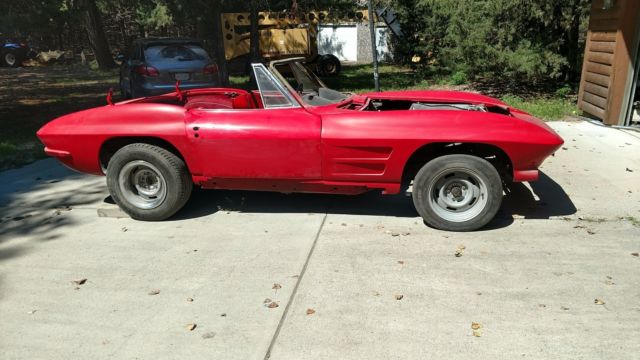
544	199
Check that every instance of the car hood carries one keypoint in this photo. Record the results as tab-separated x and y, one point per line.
443	96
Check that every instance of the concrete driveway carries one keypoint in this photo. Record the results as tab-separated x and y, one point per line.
556	275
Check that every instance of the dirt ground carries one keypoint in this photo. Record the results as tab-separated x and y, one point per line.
33	96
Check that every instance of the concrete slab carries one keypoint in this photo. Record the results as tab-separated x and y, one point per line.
530	279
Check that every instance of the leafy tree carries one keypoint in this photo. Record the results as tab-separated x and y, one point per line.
516	39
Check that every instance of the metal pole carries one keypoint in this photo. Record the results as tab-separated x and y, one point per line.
374	49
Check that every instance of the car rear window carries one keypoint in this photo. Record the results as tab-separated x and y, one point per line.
175	53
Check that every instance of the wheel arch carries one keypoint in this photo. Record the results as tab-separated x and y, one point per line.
113	144
492	153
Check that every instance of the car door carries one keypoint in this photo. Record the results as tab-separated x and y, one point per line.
257	143
279	140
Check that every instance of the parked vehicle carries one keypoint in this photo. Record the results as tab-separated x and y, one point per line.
13	53
454	149
153	66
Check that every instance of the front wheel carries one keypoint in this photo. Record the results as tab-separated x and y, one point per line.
148	182
457	192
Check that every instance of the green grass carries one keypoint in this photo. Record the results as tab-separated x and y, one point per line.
545	108
7	149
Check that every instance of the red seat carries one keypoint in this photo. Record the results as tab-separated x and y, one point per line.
227	100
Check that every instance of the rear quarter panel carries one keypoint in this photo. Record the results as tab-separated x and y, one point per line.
83	133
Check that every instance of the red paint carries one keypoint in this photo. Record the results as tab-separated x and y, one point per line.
233	143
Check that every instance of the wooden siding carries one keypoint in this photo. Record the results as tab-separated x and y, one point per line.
605	71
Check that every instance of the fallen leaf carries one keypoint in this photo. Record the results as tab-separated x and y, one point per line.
276	286
190	327
591	232
394	234
190	299
267	300
542	305
406	233
223	314
80	281
208	335
310	311
475	325
273	305
343	224
564	308
399	297
154	292
598	301
124	229
629	170
400	262
635	254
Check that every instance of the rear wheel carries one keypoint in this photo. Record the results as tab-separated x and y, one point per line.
11	58
457	192
328	65
148	182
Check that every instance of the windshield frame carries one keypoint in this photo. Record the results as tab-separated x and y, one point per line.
300	67
283	87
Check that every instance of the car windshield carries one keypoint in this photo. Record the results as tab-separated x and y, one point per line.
175	53
312	91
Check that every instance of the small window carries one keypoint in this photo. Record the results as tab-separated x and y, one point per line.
273	94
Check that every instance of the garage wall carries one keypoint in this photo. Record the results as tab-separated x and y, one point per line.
341	41
352	43
608	60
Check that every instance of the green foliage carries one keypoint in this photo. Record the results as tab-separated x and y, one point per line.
459	77
520	40
543	108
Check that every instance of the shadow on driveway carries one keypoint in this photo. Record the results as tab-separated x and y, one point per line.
548	199
38	202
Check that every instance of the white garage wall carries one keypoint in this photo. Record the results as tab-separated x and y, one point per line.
352	42
341	41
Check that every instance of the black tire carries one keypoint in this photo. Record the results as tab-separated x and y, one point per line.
457	192
142	162
11	58
328	65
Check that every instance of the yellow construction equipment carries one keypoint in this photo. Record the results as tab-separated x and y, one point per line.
283	35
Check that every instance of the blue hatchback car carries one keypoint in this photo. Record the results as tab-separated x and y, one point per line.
154	65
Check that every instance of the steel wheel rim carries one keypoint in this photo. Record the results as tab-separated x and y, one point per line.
142	185
458	195
10	59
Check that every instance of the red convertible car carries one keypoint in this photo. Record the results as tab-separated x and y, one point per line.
453	151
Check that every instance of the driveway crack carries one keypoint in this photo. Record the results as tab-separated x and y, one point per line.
295	288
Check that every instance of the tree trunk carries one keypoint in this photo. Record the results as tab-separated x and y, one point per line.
254	38
574	47
95	32
218	41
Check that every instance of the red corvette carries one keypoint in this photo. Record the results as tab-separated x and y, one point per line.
452	150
